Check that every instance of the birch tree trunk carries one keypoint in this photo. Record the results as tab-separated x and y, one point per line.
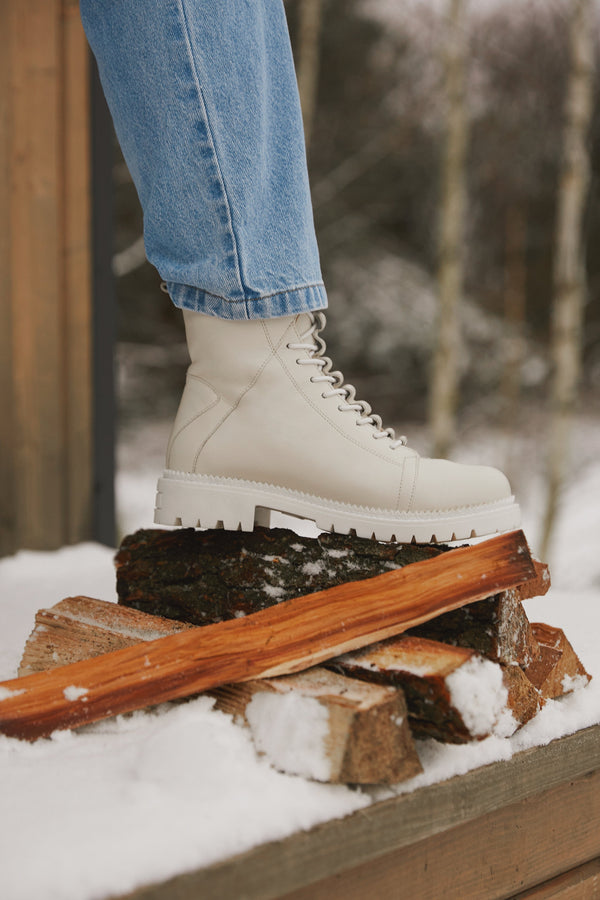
569	267
515	296
309	36
444	385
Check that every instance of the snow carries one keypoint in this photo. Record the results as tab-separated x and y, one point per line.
138	799
292	730
478	693
72	692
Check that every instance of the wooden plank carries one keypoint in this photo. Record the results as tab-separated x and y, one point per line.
35	219
506	851
276	869
582	883
45	463
287	638
76	276
8	492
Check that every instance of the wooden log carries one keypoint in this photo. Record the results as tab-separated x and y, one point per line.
80	628
328	727
558	669
538	586
210	576
340	730
453	694
287	638
497	628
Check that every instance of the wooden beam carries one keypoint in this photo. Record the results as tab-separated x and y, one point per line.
401	824
44	170
497	855
287	638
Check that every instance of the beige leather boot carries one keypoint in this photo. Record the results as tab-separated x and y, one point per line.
264	423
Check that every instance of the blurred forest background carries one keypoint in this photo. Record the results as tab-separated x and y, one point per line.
440	158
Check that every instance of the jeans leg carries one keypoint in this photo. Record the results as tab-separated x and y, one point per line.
205	104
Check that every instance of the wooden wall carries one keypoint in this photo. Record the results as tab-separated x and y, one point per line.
46	477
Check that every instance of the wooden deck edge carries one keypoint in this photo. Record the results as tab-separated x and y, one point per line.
582	882
280	867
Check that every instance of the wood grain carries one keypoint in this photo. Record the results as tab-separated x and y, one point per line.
581	883
494	857
287	638
46	480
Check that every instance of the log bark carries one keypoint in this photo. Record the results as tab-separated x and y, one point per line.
497	628
293	636
453	694
558	669
210	576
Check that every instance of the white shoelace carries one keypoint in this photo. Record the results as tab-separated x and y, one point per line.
347	392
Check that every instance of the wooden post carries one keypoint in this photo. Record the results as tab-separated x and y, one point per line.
45	290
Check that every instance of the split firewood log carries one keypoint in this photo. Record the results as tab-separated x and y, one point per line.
453	693
558	669
325	726
316	723
80	628
497	628
290	637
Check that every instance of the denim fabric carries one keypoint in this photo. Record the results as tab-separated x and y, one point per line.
205	104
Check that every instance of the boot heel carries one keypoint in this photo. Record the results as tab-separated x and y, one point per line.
193	505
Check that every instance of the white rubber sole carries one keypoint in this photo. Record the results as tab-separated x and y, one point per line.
206	501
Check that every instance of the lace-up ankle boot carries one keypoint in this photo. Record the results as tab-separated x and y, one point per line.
265	423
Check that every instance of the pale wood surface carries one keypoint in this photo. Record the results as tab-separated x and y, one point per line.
274	870
292	636
45	462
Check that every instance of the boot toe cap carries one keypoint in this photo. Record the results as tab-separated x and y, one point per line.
444	485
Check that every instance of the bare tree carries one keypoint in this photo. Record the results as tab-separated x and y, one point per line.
569	266
309	35
444	385
515	296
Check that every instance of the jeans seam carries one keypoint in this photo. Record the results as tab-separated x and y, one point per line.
300	287
211	136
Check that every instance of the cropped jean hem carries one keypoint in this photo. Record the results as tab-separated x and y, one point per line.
282	303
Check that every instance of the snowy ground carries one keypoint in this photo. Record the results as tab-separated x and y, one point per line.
131	801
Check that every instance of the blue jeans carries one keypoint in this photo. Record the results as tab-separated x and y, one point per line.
205	104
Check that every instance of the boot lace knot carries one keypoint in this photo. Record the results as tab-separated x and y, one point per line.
312	342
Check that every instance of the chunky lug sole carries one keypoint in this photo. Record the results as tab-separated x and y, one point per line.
206	501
